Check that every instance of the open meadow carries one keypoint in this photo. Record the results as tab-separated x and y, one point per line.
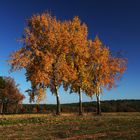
71	126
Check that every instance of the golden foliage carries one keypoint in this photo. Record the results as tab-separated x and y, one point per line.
56	53
104	69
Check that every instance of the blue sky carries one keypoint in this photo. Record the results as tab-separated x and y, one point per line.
116	22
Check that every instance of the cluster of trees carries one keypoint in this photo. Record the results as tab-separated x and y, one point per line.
58	53
10	96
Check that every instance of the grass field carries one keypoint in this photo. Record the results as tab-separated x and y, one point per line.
116	126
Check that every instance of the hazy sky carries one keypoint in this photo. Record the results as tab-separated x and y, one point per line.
116	22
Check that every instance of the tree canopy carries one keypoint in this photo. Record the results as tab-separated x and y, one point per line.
56	53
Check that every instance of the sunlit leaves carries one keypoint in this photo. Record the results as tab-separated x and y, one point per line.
59	53
104	69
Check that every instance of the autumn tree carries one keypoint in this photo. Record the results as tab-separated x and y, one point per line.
104	68
9	94
43	55
78	57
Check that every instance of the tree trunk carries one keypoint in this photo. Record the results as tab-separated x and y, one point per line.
98	104
1	110
80	102
16	107
58	108
5	107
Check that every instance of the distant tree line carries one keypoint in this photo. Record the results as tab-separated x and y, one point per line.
107	106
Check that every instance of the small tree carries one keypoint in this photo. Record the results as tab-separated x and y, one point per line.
9	94
104	68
